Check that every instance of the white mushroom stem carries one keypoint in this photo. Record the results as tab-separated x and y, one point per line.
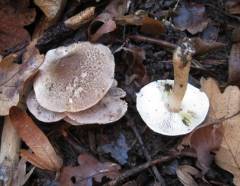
182	58
9	154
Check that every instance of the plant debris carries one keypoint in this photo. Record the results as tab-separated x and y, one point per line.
44	155
89	168
191	17
78	120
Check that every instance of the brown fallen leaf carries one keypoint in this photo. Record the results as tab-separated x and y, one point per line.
148	25
44	155
14	16
204	141
227	104
234	65
233	6
185	175
51	8
89	168
191	17
222	105
202	46
208	138
13	77
104	23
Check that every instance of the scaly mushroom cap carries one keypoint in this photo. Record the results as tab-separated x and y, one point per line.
74	78
41	113
152	101
110	109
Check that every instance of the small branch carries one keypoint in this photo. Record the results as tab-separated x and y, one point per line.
9	155
162	43
220	120
146	165
146	153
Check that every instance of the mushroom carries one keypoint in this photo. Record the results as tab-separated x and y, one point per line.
174	107
74	78
111	108
76	83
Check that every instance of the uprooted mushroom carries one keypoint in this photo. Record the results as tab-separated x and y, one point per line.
76	83
174	107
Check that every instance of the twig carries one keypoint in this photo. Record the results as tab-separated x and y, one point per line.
159	42
146	165
146	153
220	120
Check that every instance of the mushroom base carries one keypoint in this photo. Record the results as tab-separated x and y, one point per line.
152	105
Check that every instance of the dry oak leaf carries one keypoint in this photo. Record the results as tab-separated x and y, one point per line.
13	76
89	168
191	17
14	16
44	155
226	104
203	141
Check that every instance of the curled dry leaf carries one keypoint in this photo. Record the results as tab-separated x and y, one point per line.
13	18
13	77
208	138
148	25
227	104
44	155
185	175
51	8
234	64
81	18
233	6
202	46
89	168
104	23
191	17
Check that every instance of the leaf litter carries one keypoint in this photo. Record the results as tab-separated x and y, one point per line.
148	31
